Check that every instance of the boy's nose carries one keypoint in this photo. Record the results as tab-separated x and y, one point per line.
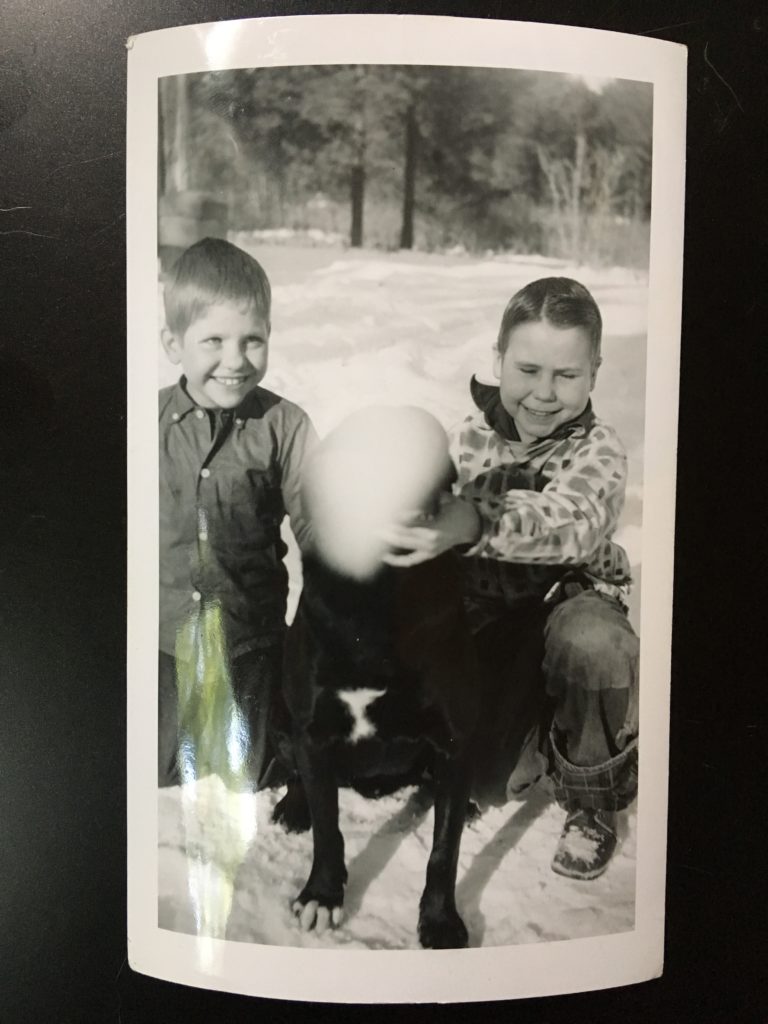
233	356
545	389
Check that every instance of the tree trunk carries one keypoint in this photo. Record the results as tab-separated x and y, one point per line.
177	174
409	178
359	149
554	173
357	195
162	163
577	178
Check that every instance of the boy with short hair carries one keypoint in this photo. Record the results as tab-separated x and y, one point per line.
231	456
540	490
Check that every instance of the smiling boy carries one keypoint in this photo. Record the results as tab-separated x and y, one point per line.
231	455
540	490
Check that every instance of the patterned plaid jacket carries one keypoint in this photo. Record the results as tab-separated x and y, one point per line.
546	507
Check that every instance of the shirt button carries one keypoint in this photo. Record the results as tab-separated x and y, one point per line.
203	536
175	416
196	595
238	421
199	413
205	473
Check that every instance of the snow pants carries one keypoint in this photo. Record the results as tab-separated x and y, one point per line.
231	731
560	696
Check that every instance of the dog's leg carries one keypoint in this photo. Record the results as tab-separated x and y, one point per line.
440	926
320	902
292	812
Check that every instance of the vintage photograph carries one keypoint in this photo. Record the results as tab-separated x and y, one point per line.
402	323
381	252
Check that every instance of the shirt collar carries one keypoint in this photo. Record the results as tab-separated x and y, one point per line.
181	404
487	397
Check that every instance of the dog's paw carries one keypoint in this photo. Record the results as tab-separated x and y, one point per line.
444	930
292	812
317	915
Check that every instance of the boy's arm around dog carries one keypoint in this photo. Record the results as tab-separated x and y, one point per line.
564	523
456	524
568	522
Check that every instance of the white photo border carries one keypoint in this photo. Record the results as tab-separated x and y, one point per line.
371	976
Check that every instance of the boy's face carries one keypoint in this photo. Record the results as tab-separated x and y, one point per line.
545	376
223	353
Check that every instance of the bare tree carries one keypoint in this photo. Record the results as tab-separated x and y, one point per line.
174	116
582	191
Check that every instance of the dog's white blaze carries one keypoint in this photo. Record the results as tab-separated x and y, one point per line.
358	702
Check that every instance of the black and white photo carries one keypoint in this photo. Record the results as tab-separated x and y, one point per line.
411	301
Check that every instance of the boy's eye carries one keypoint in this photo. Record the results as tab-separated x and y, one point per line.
214	340
254	342
569	376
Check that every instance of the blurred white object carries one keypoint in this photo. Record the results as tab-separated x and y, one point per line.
379	465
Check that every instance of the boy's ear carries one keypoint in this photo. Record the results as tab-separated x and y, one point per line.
595	368
497	358
172	345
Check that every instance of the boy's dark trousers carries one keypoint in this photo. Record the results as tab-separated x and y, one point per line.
591	656
560	687
255	679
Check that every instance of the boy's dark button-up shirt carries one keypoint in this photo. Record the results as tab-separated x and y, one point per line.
227	479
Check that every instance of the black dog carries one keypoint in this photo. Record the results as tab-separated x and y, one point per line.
380	680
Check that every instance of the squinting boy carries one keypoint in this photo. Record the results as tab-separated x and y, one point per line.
540	489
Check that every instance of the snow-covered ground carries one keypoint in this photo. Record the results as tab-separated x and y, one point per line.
351	329
506	893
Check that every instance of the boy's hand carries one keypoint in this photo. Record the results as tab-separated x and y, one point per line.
456	523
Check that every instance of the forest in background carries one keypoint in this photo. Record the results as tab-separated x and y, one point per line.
433	158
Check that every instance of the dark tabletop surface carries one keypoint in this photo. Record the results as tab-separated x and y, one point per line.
62	518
